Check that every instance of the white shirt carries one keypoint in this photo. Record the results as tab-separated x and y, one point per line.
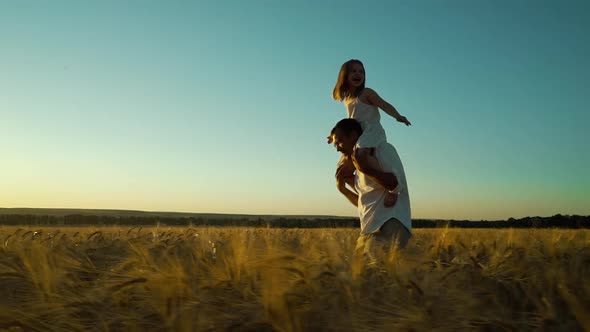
371	208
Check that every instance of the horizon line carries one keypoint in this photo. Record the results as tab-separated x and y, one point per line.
249	214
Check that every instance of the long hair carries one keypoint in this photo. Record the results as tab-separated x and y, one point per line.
341	89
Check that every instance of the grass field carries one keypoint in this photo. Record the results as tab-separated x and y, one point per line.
256	279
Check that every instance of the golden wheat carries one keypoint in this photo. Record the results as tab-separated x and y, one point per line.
255	279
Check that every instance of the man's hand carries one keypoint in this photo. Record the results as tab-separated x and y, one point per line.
390	199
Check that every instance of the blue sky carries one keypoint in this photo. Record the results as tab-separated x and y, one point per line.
224	106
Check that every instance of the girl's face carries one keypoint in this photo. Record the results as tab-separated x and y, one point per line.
356	75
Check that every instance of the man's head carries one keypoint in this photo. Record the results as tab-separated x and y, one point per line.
345	134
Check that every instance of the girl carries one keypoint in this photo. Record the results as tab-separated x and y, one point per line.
362	104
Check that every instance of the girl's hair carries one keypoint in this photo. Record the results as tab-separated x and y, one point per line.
341	89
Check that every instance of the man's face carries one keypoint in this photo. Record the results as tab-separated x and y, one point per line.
344	143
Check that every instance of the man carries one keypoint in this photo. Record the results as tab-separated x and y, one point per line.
384	220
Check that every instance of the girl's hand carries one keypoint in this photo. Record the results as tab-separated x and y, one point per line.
403	119
330	140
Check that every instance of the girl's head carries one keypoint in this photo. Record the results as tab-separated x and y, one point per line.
351	80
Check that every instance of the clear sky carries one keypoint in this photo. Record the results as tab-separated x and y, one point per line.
224	106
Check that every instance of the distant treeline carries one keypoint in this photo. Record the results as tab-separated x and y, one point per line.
556	221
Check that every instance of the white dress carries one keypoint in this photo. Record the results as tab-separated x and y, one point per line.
369	118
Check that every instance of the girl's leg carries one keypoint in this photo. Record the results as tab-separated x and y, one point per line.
390	199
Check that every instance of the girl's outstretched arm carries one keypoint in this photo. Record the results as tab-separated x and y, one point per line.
376	100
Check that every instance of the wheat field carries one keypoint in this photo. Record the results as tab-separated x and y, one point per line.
259	279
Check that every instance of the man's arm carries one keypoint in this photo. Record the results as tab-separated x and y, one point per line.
344	176
351	196
361	162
